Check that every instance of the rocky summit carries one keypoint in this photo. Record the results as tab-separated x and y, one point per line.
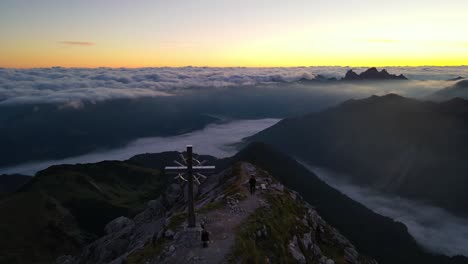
273	225
372	74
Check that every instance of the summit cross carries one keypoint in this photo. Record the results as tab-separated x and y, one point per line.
192	169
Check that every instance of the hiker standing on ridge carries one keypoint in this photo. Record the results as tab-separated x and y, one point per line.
205	237
252	183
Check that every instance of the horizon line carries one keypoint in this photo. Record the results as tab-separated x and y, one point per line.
226	67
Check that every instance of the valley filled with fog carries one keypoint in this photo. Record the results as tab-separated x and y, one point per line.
217	140
434	228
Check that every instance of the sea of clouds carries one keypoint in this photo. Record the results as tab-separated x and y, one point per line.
74	85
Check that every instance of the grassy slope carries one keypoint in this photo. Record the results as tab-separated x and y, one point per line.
65	206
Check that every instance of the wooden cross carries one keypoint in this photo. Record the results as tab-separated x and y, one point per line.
187	168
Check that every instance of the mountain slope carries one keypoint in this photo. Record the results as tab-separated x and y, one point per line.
274	225
398	145
458	89
382	238
65	207
33	132
11	183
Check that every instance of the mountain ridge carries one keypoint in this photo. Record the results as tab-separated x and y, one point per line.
372	74
385	136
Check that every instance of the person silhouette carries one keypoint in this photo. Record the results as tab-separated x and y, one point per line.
252	183
205	237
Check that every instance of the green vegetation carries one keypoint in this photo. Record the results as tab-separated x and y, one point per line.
281	222
335	253
235	187
150	250
176	220
65	207
35	228
211	206
97	193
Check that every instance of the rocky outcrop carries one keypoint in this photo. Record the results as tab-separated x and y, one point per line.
124	235
317	240
372	74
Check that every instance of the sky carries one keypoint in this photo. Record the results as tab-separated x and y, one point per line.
251	33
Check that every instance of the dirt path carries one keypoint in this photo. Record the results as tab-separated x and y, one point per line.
222	224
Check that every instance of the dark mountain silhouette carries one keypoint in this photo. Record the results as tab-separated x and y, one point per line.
456	79
317	79
67	206
372	74
12	182
45	131
459	89
398	145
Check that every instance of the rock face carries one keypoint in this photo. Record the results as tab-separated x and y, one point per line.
372	74
159	234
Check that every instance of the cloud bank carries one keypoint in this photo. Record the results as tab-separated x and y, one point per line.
65	85
217	140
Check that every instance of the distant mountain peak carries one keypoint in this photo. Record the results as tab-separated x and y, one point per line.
458	89
392	96
372	74
351	75
456	78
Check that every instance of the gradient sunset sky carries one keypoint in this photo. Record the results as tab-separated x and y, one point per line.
142	33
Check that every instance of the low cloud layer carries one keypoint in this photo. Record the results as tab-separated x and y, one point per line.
65	85
215	140
433	228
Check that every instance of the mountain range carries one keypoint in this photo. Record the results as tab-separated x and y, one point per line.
372	74
403	146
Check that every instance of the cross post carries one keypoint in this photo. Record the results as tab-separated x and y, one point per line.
191	206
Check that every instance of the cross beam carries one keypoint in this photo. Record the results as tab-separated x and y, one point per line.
188	169
177	169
